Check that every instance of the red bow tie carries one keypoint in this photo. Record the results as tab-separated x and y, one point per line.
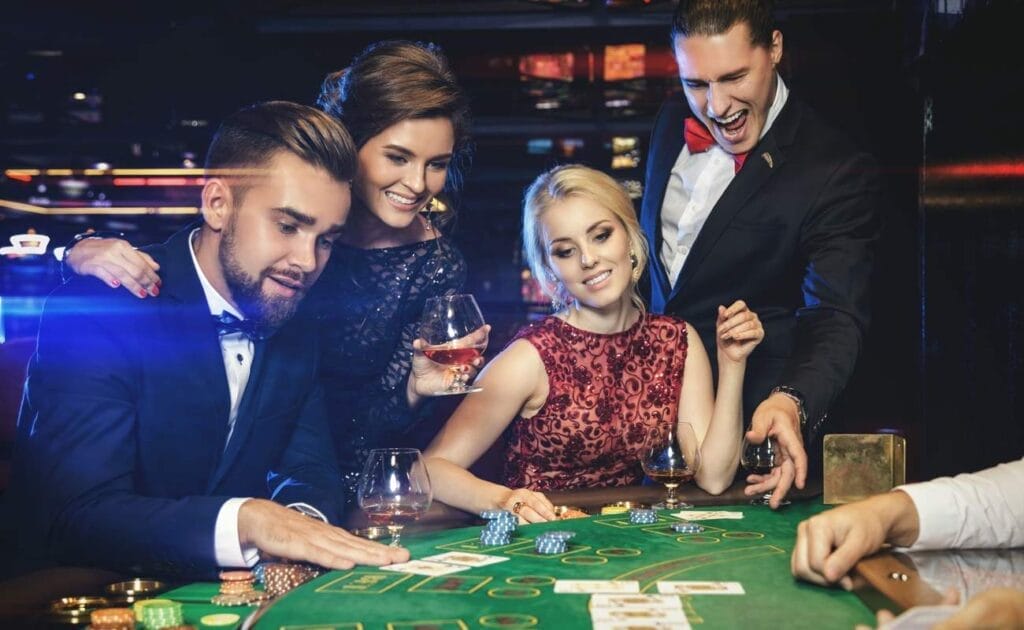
699	139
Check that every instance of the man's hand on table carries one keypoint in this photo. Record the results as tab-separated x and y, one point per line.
284	533
829	544
778	417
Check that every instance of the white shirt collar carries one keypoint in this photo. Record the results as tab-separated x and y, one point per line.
214	300
781	95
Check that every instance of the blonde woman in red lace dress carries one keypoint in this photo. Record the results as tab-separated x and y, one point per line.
578	392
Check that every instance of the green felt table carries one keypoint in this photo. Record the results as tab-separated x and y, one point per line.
754	551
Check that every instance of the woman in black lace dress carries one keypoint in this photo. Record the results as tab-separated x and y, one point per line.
410	121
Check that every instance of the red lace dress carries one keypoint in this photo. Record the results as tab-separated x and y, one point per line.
606	394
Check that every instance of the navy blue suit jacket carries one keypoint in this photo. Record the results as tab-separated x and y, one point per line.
121	459
793	235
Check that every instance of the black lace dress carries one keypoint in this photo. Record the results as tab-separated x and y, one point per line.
367	305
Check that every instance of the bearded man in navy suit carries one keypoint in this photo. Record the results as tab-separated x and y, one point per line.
167	435
750	195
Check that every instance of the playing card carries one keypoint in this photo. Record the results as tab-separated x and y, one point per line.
701	588
635	615
707	515
597	586
643	602
424	567
651	624
465	558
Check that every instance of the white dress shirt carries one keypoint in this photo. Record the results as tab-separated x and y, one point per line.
237	351
970	571
695	185
971	511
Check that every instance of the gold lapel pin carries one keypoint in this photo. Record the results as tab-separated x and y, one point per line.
768	158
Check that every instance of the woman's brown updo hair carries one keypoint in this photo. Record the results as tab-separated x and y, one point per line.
397	80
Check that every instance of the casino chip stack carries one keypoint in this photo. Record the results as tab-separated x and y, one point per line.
155	614
112	619
552	543
501	524
279	577
236	589
643	516
688	528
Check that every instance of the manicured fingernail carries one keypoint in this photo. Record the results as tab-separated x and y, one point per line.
155	291
115	283
142	293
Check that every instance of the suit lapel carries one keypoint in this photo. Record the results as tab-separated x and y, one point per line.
762	163
248	409
194	350
669	143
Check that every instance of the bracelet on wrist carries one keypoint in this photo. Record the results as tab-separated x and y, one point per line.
75	240
82	236
798	398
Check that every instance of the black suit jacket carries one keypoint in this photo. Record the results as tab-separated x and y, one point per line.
793	235
121	459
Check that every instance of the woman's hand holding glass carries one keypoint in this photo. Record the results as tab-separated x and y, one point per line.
450	350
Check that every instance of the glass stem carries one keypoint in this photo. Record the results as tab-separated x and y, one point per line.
670	496
396	534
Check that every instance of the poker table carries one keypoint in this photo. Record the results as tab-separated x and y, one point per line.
519	592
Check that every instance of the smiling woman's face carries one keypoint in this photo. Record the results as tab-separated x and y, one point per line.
402	168
588	251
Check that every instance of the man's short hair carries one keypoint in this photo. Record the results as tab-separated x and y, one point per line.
252	136
715	17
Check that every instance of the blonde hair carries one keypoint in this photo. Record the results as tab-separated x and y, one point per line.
576	180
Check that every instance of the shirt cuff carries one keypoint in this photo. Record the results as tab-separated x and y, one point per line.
937	514
228	550
309	511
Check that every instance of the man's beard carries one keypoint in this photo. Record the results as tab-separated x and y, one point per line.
247	292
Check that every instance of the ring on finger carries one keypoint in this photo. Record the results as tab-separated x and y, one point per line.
518	505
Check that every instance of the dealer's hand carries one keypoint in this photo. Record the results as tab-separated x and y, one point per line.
829	544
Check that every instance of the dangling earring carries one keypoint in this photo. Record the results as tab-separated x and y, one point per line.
434	206
559	299
635	264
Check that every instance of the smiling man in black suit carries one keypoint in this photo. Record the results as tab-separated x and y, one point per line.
750	195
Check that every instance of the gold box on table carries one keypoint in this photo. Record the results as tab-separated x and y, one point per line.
858	465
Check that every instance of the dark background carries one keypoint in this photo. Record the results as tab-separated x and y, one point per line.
931	87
